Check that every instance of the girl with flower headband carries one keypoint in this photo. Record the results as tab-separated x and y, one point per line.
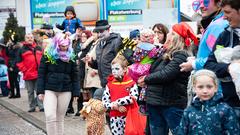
57	82
166	92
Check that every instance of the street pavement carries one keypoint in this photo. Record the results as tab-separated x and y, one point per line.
73	125
11	124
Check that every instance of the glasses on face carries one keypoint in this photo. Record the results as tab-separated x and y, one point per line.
196	4
208	86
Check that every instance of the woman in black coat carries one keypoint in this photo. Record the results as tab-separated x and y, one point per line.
166	94
57	82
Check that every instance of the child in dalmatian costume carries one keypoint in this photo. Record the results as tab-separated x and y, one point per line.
118	95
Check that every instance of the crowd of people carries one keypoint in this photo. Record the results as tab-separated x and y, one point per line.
159	68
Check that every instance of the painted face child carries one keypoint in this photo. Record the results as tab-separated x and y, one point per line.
119	67
118	71
205	84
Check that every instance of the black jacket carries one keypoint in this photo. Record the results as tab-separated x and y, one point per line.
12	61
60	77
166	84
221	69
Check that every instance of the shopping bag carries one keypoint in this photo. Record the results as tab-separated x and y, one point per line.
135	122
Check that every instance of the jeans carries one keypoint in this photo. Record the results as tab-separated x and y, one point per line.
163	118
4	88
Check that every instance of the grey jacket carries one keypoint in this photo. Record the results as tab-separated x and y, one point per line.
106	51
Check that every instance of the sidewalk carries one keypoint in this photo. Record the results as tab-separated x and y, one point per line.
73	125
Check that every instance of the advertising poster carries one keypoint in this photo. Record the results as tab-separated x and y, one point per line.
88	11
127	15
125	11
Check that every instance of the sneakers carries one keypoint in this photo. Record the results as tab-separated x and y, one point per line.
17	96
11	96
41	110
31	110
77	114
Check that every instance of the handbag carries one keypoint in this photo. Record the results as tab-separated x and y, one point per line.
135	122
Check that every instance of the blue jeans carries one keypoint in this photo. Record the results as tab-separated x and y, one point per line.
4	88
163	118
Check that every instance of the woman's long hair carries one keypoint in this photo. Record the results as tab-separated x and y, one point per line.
176	44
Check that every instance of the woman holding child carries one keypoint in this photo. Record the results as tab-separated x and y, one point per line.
166	94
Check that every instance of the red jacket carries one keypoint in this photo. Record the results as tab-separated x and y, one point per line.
28	60
119	90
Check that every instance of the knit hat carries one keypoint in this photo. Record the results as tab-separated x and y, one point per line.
147	35
98	94
186	32
135	33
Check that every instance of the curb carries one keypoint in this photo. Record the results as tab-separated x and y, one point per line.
24	115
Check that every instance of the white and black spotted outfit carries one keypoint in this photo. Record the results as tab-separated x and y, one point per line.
121	93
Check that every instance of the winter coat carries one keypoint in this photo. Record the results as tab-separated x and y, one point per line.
82	65
12	61
221	69
212	117
166	84
70	25
59	77
106	51
28	60
208	40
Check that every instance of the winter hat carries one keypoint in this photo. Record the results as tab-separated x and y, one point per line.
135	33
98	94
186	32
147	35
70	8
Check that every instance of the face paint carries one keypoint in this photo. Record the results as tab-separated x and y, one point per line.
197	4
117	71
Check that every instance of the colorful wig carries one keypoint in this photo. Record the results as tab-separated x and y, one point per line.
53	52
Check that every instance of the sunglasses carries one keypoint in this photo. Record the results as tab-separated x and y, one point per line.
196	4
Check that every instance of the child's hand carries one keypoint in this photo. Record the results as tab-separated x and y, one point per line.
122	109
93	73
114	106
140	81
